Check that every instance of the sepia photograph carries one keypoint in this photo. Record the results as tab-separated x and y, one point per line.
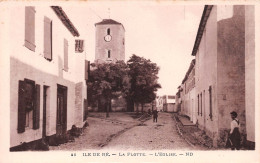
99	81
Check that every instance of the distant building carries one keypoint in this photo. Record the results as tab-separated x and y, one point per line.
169	103
178	100
110	41
188	93
159	103
47	77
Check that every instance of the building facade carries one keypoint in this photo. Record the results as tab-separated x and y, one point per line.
188	94
224	52
159	103
110	41
168	103
47	75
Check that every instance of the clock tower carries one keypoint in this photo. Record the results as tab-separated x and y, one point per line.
110	41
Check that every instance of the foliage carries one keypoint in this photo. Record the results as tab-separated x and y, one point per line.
143	79
136	81
108	81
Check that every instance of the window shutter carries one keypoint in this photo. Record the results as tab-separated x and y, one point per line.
66	57
21	107
36	111
79	46
47	38
86	69
29	41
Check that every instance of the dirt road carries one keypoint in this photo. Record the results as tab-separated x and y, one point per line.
124	131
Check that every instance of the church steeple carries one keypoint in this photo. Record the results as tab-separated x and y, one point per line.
110	41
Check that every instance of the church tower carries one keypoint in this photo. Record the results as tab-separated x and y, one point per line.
110	41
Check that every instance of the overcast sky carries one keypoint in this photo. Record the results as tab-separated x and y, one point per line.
162	32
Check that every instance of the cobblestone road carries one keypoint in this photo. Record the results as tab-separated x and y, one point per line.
123	131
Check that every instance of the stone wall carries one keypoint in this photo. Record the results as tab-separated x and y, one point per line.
250	71
116	45
231	69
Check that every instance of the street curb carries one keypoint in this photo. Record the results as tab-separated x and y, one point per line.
180	133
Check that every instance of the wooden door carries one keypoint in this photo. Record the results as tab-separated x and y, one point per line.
44	112
61	126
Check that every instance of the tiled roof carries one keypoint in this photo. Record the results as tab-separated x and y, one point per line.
107	21
203	22
65	20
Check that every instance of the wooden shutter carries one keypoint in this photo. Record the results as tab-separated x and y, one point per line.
66	57
21	107
36	111
29	41
86	69
47	38
79	46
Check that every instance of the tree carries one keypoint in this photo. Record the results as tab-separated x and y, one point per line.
143	79
108	81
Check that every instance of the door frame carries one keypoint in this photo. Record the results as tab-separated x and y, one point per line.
62	90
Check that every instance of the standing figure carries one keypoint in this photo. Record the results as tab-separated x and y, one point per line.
149	112
155	116
234	135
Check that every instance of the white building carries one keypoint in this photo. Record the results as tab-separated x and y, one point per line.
48	79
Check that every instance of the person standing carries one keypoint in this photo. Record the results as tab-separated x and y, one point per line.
234	135
155	116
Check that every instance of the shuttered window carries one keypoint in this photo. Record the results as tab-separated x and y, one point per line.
21	107
198	104
79	46
66	57
29	41
210	102
47	39
28	105
36	111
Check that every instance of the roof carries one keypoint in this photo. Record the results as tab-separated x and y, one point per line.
65	20
189	70
203	22
108	21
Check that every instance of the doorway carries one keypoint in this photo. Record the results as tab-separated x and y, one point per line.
61	126
45	105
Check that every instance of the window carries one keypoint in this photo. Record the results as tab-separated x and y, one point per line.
108	31
108	54
210	102
47	39
66	57
28	105
198	104
204	100
29	119
29	41
79	46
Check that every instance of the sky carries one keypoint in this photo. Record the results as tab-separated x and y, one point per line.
162	32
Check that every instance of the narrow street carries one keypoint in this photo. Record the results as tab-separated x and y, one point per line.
125	131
